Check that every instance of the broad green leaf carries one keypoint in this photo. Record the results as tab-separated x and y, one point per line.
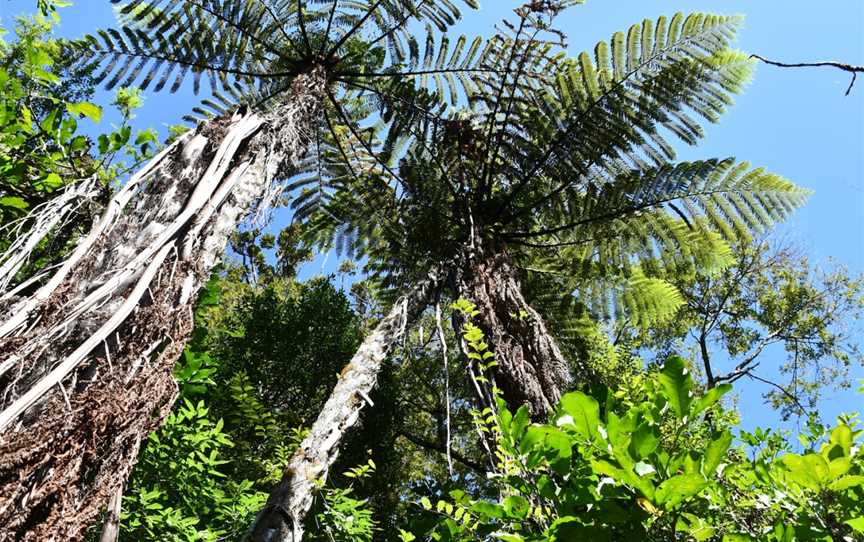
857	524
846	482
838	467
677	385
810	471
710	398
584	412
841	441
644	440
624	475
51	182
679	488
87	109
695	526
715	453
14	202
147	136
517	506
520	422
487	509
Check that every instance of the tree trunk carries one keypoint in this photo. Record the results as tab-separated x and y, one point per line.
281	520
111	528
531	368
86	362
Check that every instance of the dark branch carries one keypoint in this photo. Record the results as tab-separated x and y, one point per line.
441	448
785	392
851	68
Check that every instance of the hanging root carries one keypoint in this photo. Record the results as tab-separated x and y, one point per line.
443	341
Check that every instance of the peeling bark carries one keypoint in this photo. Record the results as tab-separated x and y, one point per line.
281	520
86	361
42	221
532	370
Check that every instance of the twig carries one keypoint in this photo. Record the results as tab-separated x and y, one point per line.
851	68
786	392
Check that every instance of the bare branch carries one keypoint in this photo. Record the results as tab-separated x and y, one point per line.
851	68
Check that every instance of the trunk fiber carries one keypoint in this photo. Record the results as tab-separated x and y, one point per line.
86	362
531	368
281	520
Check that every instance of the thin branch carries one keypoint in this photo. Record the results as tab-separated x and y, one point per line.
279	25
786	392
619	213
408	13
302	21
486	166
851	68
239	28
439	447
329	26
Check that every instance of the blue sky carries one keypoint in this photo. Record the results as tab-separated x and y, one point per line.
795	122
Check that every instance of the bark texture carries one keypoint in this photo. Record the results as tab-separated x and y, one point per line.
281	520
531	368
86	362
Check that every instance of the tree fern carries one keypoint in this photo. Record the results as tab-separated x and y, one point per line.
573	168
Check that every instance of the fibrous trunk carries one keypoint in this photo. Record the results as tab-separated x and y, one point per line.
86	362
531	368
281	520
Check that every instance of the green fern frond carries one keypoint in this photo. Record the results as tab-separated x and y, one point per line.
612	110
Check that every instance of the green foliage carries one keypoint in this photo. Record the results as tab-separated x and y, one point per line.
772	303
571	170
206	472
291	341
343	517
250	52
44	99
40	147
655	468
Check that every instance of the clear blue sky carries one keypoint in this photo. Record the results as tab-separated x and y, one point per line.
796	122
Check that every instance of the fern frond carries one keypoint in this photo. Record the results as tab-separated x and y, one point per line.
613	109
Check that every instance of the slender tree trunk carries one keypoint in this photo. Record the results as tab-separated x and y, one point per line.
111	528
86	362
531	368
281	520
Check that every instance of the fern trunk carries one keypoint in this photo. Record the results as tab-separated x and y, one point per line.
86	362
282	518
531	368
